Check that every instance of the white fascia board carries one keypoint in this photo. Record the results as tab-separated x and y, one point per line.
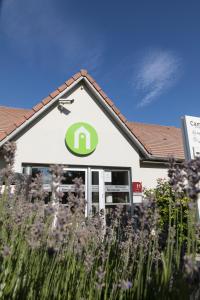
117	119
124	127
104	104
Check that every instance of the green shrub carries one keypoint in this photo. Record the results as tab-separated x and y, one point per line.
173	209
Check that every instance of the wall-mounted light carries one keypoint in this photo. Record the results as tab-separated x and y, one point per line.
62	102
65	101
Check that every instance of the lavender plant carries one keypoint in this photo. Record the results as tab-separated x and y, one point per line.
51	251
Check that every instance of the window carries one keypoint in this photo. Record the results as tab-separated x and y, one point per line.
117	191
67	184
95	192
70	175
44	171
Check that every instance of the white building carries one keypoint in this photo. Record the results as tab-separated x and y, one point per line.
79	127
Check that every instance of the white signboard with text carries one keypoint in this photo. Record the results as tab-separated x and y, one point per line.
191	140
191	134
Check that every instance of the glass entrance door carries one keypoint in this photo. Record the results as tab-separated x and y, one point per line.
117	190
109	189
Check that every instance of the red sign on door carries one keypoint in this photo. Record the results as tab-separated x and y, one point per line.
137	187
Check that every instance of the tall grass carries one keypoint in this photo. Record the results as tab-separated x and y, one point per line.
71	257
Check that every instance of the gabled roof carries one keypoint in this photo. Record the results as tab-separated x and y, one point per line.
30	113
157	141
160	141
9	116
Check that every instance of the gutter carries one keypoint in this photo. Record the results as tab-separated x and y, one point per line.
157	160
148	157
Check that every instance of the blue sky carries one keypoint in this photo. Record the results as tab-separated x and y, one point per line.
144	54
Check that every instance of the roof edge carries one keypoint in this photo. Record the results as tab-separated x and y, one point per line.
61	90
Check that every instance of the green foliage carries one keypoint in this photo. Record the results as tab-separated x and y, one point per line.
53	252
77	260
173	208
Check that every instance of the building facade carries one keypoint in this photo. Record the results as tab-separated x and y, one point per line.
79	127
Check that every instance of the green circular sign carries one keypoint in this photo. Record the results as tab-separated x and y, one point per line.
81	138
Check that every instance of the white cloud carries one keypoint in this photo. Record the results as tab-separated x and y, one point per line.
156	73
41	32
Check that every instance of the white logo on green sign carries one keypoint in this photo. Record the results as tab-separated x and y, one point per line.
81	138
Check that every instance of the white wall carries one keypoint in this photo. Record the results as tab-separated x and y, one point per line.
44	143
149	176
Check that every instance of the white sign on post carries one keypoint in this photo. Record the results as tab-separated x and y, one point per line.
191	134
191	139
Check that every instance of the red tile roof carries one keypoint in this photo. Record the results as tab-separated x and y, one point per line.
10	119
159	141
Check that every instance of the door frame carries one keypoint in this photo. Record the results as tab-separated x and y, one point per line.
101	189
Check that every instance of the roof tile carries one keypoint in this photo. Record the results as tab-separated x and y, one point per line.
103	94
38	106
84	72
109	101
160	141
62	87
9	118
116	110
96	86
77	76
90	78
29	114
69	81
20	121
2	135
55	93
10	129
46	100
123	119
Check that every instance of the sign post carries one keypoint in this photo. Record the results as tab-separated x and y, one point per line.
191	138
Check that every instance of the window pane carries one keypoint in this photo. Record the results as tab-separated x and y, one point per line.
69	196
95	197
117	197
118	178
95	178
95	187
69	176
95	209
95	192
44	171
